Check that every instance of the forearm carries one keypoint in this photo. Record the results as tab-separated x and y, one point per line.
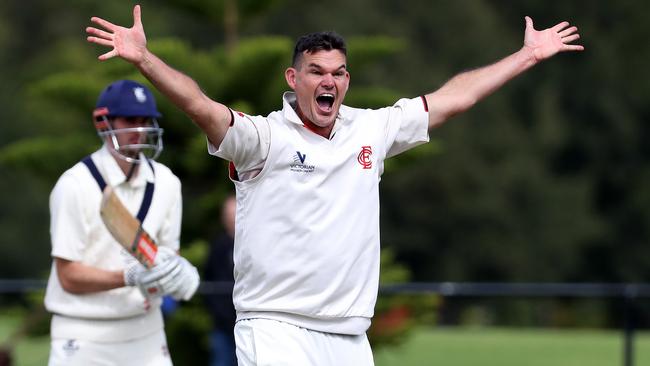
464	90
131	45
212	117
78	278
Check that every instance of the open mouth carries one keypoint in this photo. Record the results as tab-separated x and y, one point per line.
325	101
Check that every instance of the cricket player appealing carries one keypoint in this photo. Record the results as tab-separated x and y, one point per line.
105	304
307	183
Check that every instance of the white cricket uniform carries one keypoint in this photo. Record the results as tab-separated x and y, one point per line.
307	224
119	318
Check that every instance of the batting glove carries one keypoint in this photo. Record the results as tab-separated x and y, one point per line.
187	281
132	271
158	281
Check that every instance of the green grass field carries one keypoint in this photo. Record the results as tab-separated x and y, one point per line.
456	347
513	347
28	352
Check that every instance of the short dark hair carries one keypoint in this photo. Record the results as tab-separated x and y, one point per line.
318	41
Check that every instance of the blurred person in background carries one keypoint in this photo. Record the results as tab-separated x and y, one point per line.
106	306
219	267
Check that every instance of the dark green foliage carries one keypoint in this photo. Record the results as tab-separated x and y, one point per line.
187	334
29	155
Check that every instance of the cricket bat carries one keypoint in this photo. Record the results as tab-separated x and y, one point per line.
127	229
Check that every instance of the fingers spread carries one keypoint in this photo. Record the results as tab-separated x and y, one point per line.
568	31
137	17
100	41
572	47
560	26
104	23
570	38
99	33
529	22
108	55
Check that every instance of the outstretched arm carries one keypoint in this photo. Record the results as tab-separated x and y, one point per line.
131	45
463	90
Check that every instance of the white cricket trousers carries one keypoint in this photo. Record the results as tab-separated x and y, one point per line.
147	351
264	342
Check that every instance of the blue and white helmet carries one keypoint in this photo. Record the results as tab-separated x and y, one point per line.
127	98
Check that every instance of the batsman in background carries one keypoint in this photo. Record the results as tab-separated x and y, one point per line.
307	184
105	304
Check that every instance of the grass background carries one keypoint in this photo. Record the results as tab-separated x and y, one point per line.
490	346
27	351
453	346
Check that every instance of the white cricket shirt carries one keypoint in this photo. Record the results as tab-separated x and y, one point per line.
78	234
307	224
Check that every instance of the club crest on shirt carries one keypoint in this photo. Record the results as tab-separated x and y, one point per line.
364	157
300	165
70	347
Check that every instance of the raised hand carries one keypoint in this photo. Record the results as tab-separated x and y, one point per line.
128	43
548	42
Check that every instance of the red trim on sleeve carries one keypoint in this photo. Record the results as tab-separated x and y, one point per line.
426	105
232	171
232	116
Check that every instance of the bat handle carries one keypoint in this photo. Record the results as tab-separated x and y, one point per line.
144	248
